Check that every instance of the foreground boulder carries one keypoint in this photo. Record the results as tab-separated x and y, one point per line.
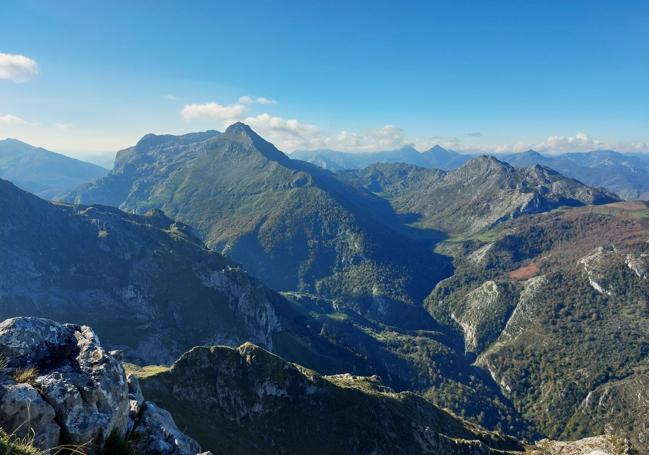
63	371
59	386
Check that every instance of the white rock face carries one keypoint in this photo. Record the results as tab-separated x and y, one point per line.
639	263
85	386
596	266
76	393
245	297
522	314
479	300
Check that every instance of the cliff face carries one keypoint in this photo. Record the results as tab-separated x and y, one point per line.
146	284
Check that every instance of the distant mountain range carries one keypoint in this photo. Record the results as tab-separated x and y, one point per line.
435	158
624	174
44	173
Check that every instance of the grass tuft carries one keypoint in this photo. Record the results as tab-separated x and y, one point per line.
26	375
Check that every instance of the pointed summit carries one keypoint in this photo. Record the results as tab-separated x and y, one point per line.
437	149
483	164
240	128
242	133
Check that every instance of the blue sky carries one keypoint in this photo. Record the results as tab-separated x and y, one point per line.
488	75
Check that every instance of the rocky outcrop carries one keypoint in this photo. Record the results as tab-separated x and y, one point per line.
59	386
248	400
23	409
157	433
598	445
84	387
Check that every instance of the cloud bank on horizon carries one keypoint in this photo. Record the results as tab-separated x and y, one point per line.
292	134
287	134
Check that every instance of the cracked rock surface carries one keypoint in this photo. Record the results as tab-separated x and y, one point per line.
59	386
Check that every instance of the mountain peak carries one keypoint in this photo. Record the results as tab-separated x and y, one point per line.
240	128
16	145
437	149
486	161
240	132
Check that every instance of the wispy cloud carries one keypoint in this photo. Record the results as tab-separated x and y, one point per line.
170	97
17	68
9	119
292	134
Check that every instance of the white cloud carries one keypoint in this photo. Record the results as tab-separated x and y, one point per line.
292	134
264	100
286	134
17	68
213	111
245	100
580	142
171	97
9	119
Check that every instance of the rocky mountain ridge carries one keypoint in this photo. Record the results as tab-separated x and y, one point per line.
481	193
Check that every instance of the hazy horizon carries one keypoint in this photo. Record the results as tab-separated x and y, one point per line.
501	77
